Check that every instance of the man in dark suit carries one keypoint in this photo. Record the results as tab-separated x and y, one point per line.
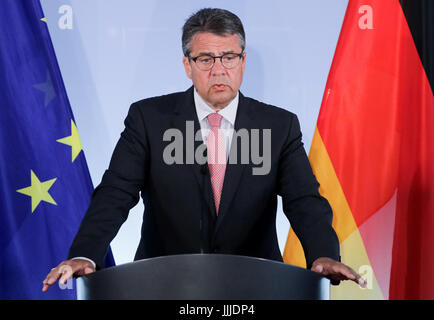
226	205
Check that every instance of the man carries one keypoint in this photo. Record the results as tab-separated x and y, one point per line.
218	207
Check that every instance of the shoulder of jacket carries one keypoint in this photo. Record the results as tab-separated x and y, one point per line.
268	109
158	103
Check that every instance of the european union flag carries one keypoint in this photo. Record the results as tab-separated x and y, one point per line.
44	179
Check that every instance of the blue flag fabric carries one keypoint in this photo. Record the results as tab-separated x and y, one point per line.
44	179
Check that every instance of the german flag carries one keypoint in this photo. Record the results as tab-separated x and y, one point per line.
373	149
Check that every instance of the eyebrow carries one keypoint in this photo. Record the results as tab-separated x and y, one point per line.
212	54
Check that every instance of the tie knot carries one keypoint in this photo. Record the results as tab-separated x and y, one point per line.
214	120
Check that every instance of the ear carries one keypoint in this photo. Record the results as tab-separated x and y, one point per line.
243	64
187	66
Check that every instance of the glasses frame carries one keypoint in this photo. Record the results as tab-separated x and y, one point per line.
239	55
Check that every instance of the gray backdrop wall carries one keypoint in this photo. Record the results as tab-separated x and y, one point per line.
112	53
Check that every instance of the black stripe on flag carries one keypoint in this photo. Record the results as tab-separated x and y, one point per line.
420	19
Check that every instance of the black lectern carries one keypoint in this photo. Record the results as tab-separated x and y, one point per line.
203	277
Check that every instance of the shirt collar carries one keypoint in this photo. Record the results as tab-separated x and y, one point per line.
203	109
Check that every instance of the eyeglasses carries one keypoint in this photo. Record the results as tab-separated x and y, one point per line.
228	60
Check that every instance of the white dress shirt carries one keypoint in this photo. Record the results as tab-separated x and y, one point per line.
227	124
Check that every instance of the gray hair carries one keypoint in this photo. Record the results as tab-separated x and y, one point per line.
216	21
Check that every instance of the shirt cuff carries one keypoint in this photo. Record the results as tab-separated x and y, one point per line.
87	259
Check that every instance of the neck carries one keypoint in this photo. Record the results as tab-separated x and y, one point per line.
217	107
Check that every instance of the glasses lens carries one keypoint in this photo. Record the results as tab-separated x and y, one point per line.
230	60
205	62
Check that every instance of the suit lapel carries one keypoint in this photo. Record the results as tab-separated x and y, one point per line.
185	111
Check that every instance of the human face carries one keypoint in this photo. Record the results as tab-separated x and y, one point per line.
217	86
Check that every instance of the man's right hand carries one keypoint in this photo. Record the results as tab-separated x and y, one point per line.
66	270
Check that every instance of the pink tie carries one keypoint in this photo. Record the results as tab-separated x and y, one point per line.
215	144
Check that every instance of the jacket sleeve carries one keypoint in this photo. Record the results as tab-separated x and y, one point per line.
117	193
309	214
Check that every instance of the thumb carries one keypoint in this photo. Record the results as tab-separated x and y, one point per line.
318	268
88	270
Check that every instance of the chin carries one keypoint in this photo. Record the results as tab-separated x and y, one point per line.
220	102
221	98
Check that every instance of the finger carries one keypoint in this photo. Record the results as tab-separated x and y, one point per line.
338	271
47	283
45	286
350	274
340	277
66	273
346	271
362	282
50	279
354	276
52	276
357	279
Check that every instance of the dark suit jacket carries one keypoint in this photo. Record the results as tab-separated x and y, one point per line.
179	212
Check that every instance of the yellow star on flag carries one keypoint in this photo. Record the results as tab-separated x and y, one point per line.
73	140
38	191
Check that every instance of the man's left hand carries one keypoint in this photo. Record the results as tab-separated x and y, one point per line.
337	271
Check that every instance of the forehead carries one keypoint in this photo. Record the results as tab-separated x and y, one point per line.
205	42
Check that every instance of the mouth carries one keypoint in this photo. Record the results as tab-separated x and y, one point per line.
219	87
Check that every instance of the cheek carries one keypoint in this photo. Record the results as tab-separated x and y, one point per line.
201	80
237	79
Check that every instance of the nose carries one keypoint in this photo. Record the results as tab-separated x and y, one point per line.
218	68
